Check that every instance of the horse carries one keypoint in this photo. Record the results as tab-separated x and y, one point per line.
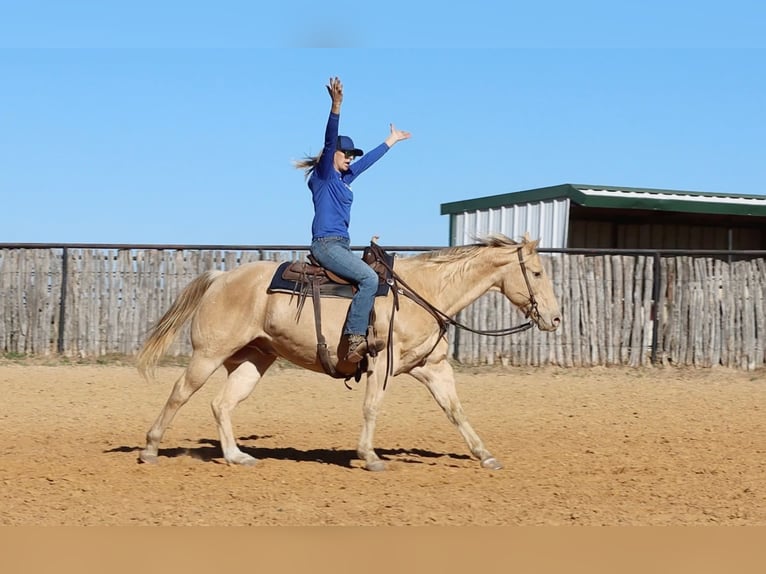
236	323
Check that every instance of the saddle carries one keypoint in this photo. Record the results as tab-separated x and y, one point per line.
300	277
309	278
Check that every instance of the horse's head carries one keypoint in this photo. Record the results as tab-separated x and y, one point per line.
528	286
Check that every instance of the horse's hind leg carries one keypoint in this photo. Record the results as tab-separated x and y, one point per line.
240	383
439	378
195	375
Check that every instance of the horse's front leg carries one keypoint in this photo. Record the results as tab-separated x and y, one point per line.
373	397
439	378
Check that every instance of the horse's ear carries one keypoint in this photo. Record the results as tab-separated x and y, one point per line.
526	238
531	245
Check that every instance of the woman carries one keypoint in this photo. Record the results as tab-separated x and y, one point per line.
329	178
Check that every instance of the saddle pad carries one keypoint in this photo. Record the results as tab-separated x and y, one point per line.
280	285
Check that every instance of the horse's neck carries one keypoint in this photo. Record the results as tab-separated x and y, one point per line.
450	286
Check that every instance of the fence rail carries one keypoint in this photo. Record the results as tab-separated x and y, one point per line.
629	308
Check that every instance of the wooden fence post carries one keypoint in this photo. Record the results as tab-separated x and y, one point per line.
656	310
62	300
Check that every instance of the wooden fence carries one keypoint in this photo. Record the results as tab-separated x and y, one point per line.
634	310
618	308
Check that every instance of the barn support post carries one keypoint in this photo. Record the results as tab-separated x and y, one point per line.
656	305
62	302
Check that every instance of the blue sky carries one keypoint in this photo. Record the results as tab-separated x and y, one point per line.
176	123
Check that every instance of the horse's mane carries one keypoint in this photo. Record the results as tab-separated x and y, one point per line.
463	252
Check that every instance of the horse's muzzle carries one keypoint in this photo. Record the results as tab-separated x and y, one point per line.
544	322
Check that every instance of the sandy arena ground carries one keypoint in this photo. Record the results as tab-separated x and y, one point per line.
580	447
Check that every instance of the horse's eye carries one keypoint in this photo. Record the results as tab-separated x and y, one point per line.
538	274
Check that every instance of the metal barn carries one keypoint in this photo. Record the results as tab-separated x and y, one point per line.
590	216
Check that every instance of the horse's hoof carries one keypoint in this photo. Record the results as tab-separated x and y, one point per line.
491	463
147	458
375	466
242	459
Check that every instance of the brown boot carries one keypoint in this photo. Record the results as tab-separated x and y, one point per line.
357	348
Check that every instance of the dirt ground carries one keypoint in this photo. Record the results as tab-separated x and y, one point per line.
580	447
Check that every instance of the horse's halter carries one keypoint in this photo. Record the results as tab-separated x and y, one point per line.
532	301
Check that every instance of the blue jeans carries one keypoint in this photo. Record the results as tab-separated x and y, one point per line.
334	253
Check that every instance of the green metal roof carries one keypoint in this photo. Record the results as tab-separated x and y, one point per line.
622	198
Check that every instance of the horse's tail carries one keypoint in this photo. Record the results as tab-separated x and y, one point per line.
166	329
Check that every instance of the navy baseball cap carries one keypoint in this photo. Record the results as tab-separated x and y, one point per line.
345	143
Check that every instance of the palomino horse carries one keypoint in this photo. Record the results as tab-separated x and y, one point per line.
237	324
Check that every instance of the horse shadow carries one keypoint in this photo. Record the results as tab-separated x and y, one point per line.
209	450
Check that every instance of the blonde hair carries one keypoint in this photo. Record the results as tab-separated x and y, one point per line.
307	164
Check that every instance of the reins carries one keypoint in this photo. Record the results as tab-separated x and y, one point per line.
442	319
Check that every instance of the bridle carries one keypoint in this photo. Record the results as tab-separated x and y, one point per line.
400	287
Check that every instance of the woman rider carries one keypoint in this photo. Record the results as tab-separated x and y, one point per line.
329	178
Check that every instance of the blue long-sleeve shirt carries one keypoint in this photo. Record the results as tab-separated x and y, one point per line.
330	190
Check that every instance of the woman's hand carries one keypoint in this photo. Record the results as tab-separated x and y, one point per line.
335	89
397	136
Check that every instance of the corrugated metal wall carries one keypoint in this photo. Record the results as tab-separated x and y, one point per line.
544	220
